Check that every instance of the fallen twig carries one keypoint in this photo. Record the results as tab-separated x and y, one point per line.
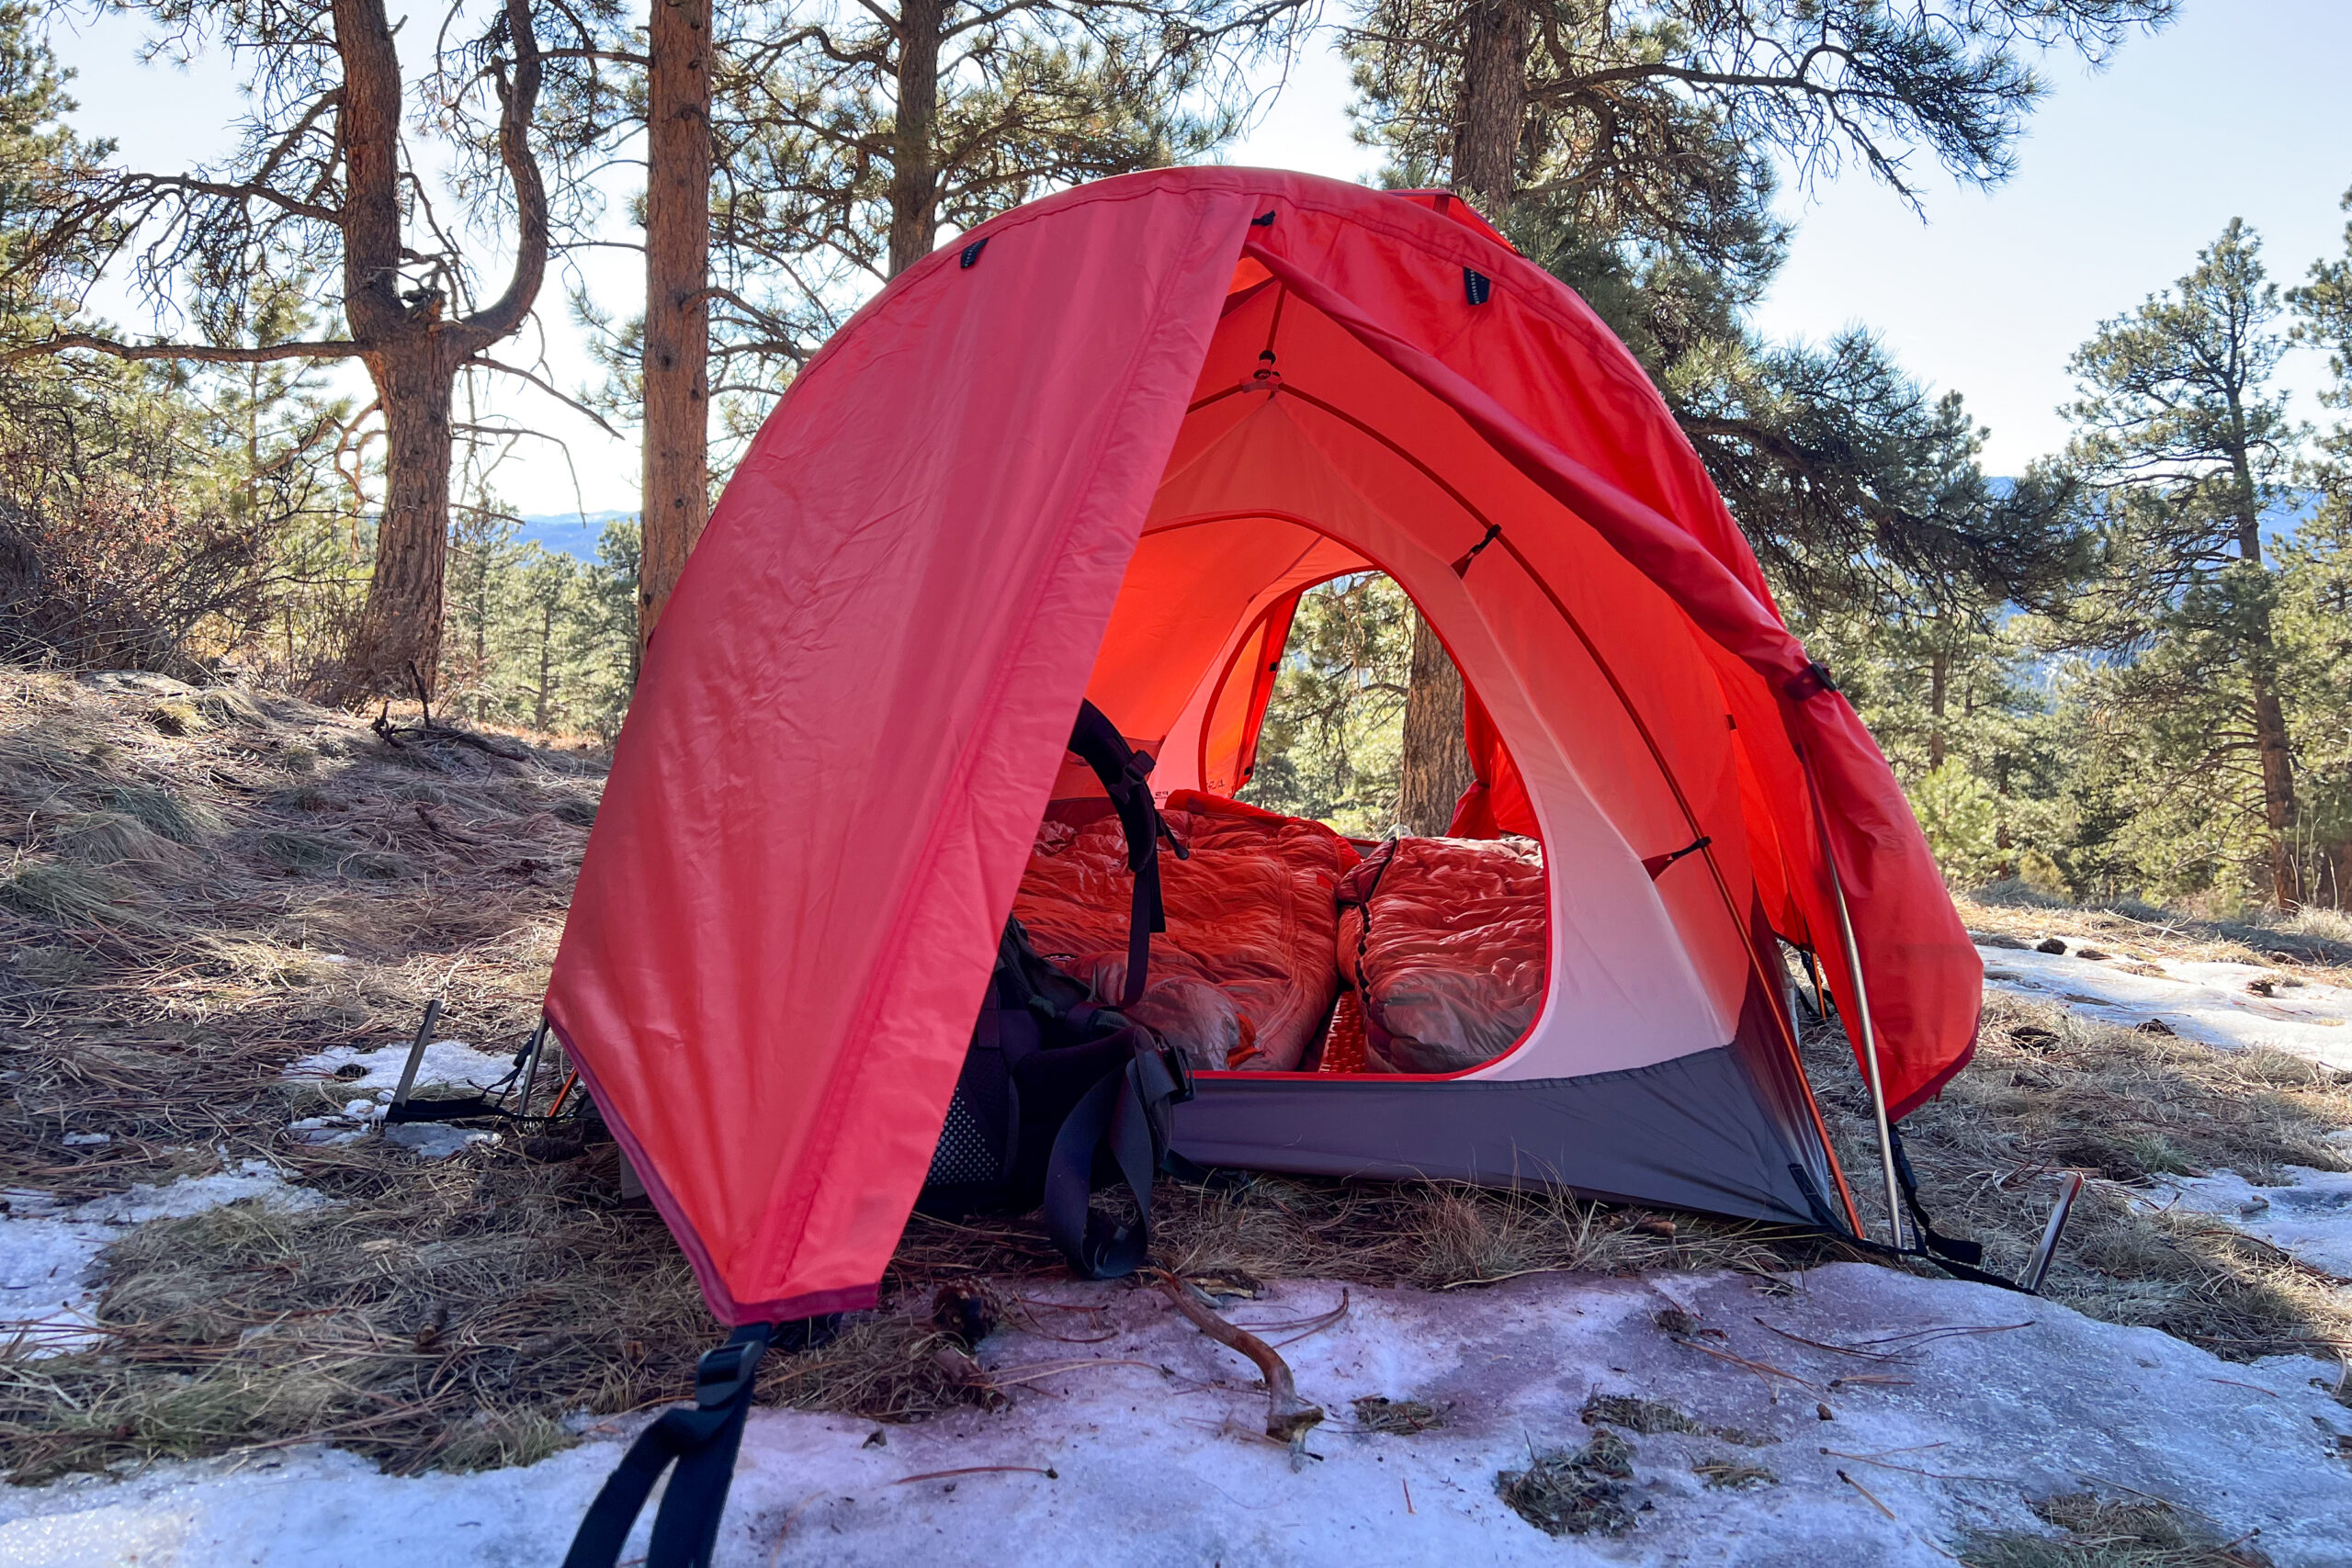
1761	1368
1824	1345
1004	1378
1047	1473
1307	1326
1288	1417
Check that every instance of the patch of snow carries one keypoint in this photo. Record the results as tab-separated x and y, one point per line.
47	1250
2310	1217
448	1063
1152	1438
2205	1002
434	1140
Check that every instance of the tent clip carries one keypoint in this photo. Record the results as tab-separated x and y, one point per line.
1461	566
970	254
1263	220
1812	684
1476	287
1656	865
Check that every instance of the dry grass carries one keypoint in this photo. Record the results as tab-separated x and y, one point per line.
2051	1093
2095	1533
185	912
1583	1492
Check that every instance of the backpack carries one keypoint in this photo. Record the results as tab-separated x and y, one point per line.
1059	1095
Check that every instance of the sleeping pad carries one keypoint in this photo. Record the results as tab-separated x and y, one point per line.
1245	974
1444	941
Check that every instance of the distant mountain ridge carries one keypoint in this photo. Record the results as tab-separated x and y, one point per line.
575	533
569	533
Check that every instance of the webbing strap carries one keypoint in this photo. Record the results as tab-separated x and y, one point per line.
702	1443
1127	779
1126	1112
1967	1253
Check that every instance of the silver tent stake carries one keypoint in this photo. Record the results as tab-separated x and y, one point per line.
530	1063
416	1052
2038	1269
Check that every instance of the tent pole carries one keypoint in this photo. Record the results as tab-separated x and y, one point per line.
1868	1040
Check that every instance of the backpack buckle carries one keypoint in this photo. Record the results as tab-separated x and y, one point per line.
1171	1082
721	1374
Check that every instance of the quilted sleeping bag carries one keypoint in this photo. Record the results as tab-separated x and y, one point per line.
1245	974
1445	942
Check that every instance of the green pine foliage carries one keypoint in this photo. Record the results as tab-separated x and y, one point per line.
1332	746
537	639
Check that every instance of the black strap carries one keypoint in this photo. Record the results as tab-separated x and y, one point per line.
703	1442
1126	1112
1127	778
1968	1254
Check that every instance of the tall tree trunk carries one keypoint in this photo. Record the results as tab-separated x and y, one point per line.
2270	741
675	501
1487	122
547	660
1436	762
414	349
1939	680
1493	104
914	176
398	643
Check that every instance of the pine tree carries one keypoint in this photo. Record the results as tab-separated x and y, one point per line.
1631	149
2178	424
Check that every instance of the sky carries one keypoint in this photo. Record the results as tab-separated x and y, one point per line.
2241	109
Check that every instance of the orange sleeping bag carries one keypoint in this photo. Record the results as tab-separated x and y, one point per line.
1246	974
1444	941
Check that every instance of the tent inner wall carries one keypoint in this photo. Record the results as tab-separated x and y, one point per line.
1288	483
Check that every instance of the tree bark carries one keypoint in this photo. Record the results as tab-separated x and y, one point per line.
412	348
398	642
1487	118
1493	104
1939	680
2272	749
914	176
1436	762
2271	746
676	499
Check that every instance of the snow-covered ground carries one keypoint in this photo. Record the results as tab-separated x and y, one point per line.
2310	1217
1952	1405
47	1251
449	1062
2202	1002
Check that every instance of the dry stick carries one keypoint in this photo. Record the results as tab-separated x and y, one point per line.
1910	1468
977	1470
1003	1378
1288	1417
1882	1509
1824	1345
1761	1368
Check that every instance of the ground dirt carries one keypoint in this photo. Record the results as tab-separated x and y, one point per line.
203	888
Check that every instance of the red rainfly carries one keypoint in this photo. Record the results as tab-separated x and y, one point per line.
1096	452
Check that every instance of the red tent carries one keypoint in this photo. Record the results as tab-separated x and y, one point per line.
1096	451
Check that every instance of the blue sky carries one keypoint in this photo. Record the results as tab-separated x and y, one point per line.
2242	108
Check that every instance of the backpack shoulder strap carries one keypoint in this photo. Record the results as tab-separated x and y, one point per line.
1127	778
702	1443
